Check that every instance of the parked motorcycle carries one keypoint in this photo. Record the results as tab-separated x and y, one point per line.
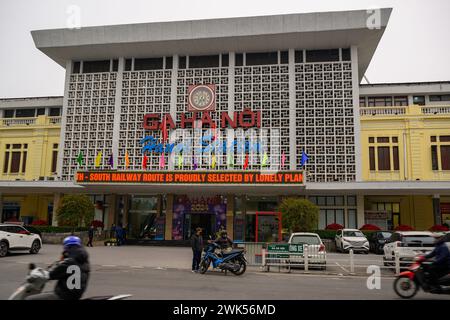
35	284
233	261
409	282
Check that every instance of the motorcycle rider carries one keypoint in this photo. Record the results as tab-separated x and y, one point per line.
441	262
224	241
73	255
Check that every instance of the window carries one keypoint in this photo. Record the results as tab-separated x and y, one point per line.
76	67
225	60
322	55
384	157
445	97
393	210
40	112
15	162
15	159
346	56
115	66
148	64
372	158
445	157
96	66
284	57
440	153
25	113
434	158
55	112
128	64
54	160
204	61
9	113
362	101
380	154
419	100
169	62
380	101
299	56
260	58
182	62
239	59
401	101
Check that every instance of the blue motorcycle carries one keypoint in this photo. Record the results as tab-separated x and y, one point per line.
233	261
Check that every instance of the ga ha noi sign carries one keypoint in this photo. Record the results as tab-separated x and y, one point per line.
190	177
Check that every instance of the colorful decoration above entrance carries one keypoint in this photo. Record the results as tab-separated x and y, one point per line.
194	177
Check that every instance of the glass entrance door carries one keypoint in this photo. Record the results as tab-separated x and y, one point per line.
268	226
205	221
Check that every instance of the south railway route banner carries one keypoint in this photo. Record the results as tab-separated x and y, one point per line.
189	177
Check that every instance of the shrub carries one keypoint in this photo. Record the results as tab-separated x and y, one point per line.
334	226
39	223
404	227
326	234
97	224
62	229
299	214
370	227
76	210
438	227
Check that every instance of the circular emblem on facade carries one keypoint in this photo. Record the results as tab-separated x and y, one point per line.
201	97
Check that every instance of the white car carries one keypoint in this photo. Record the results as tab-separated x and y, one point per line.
354	239
317	255
16	237
407	244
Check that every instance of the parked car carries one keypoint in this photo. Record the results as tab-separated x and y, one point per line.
317	255
377	240
408	244
354	239
15	237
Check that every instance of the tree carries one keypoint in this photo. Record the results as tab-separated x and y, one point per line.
299	214
76	210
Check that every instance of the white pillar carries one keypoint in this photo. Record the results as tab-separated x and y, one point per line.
356	118
117	105
359	210
292	116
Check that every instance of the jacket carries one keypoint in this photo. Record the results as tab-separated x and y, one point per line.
73	256
441	255
197	242
224	242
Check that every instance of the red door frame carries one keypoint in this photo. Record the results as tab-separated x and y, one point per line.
268	213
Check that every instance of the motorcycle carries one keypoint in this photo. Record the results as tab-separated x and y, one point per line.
233	261
35	284
408	282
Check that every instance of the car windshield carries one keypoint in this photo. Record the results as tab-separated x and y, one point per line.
353	234
305	239
386	235
425	239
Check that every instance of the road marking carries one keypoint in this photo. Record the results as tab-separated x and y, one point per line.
342	267
109	265
137	267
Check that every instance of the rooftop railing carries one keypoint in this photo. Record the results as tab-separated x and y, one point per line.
404	110
32	121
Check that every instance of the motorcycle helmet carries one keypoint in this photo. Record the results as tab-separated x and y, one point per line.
71	241
223	234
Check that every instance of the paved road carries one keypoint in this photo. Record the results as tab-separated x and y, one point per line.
154	273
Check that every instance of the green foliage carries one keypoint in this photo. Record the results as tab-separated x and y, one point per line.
299	214
76	210
62	229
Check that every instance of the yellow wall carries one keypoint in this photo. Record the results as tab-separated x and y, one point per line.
416	211
40	138
413	130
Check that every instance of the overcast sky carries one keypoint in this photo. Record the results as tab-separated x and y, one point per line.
415	46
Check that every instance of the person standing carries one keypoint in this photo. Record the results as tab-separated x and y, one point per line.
90	236
119	235
197	247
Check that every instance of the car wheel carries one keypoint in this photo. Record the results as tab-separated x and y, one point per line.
35	247
3	249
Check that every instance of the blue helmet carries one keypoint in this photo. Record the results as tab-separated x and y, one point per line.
71	241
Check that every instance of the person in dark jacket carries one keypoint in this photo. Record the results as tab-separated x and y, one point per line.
90	236
224	241
441	259
197	247
74	262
